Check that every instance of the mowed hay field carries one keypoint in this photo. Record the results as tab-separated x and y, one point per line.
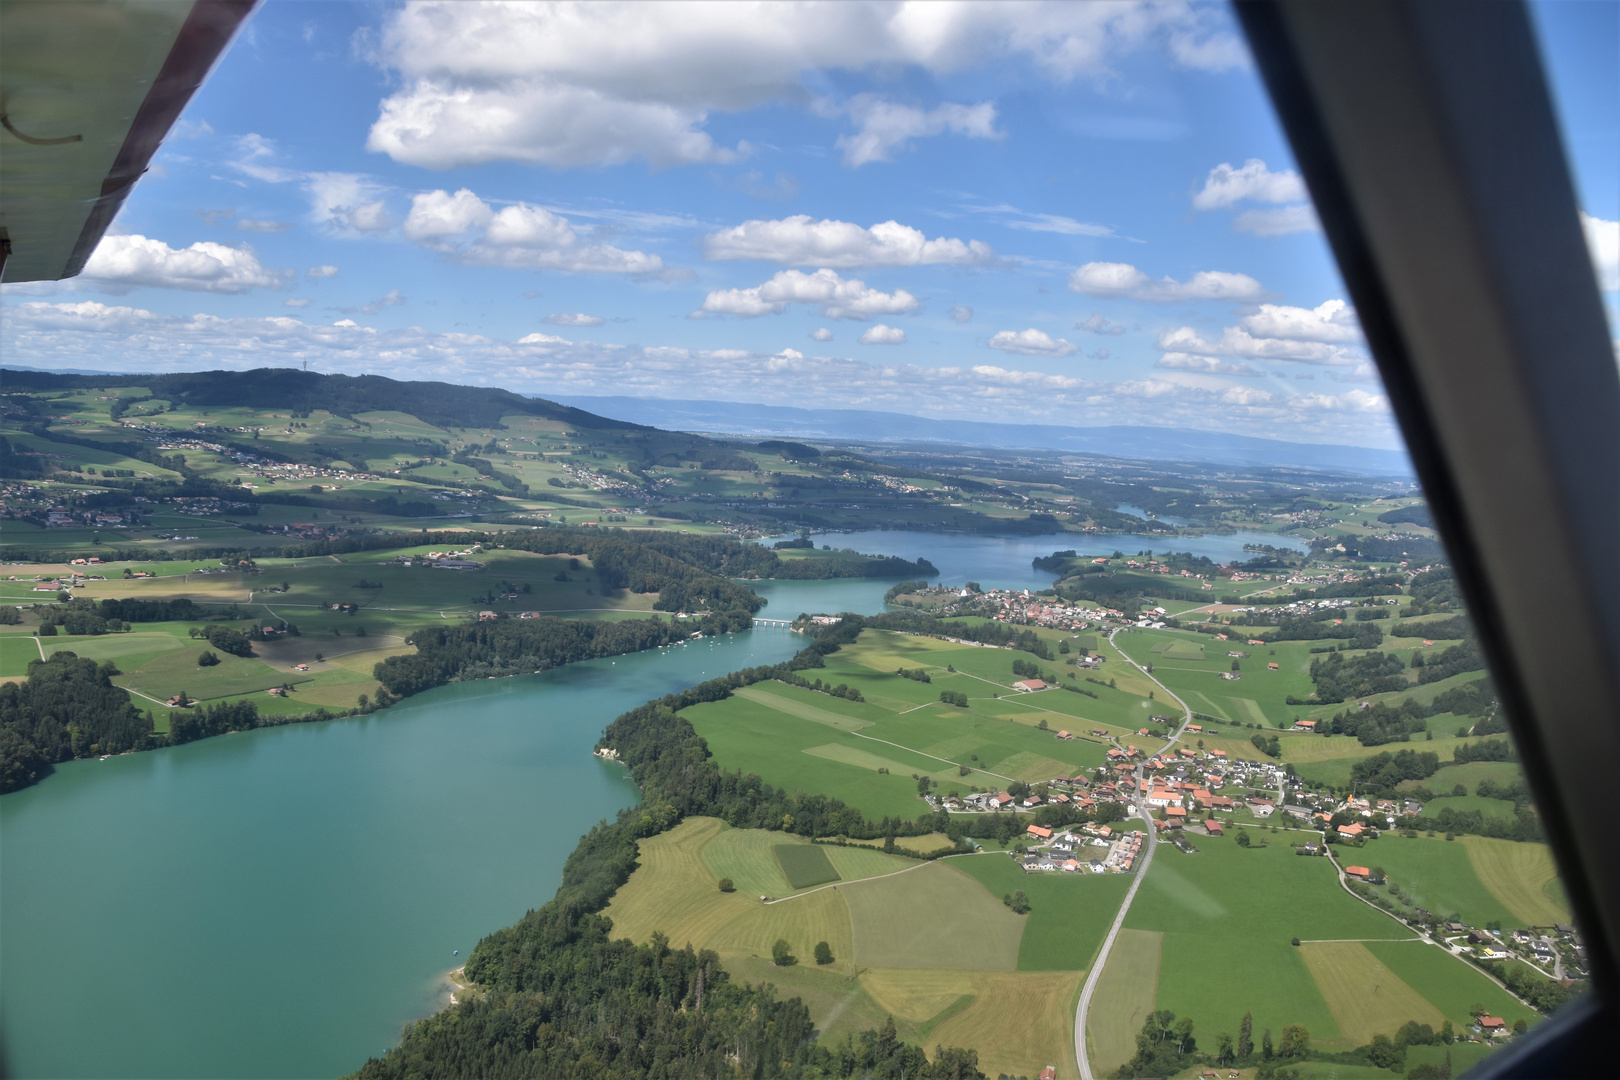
1451	985
1125	995
1365	997
804	865
673	891
1069	913
1019	1022
932	917
1438	875
1521	876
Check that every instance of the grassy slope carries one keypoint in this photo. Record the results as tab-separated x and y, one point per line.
1451	985
932	917
1365	997
1069	913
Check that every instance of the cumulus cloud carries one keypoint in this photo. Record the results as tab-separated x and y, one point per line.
576	319
1176	361
885	127
883	335
1031	342
802	241
821	333
322	271
591	84
467	229
1124	280
113	338
1236	341
1225	187
347	202
1333	321
841	298
123	262
1603	238
1096	324
961	313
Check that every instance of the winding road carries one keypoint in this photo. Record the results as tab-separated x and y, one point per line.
1082	1012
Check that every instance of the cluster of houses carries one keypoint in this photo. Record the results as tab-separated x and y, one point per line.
1065	851
61	517
442	560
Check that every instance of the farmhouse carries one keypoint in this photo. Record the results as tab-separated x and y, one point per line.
1039	833
1028	685
1304	725
1352	832
1359	872
1213	827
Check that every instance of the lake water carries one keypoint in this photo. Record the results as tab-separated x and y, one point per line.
1003	562
279	903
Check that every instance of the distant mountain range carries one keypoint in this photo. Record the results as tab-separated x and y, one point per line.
856	425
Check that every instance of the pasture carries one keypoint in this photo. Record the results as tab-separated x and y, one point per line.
1019	1022
1449	984
933	917
1438	875
1522	877
1069	913
1227	915
1125	995
1365	997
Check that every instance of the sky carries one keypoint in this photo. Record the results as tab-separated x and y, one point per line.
1070	213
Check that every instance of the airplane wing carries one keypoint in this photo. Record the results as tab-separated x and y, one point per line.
88	91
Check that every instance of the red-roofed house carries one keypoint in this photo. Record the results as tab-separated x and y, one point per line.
1359	872
1039	833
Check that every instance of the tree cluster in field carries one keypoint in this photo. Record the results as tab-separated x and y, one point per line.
1541	993
916	674
1432	592
954	697
1386	723
224	639
1269	745
68	708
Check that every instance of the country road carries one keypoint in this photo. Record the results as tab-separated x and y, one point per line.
1082	1012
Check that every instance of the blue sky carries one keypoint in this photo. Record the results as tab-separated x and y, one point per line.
1071	213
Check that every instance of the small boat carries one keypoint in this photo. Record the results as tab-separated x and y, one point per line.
455	952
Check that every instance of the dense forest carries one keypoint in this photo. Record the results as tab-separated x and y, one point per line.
68	708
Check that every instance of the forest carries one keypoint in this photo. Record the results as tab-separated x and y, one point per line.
68	708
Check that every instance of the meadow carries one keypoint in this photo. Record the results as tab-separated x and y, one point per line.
809	741
1438	875
1522	877
1227	915
1127	992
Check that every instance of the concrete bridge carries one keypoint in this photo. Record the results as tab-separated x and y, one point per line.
785	624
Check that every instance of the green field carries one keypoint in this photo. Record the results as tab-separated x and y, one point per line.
809	741
1227	915
1069	913
804	866
1522	877
1365	997
1124	997
1438	875
933	917
1449	984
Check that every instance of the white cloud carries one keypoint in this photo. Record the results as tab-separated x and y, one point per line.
1177	361
1603	237
438	214
60	335
1034	221
886	127
323	271
1236	341
1333	321
1096	324
1279	222
1031	342
296	302
883	335
1226	186
122	262
347	202
391	298
1122	279
841	298
802	241
253	155
821	333
961	313
1254	181
590	84
259	225
576	319
520	236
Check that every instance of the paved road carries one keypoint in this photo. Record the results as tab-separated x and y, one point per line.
1082	1013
